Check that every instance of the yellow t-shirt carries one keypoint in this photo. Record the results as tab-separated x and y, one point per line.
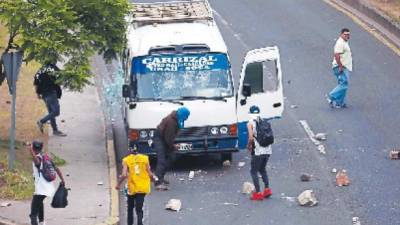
138	178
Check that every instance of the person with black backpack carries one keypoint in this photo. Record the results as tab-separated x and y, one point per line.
44	173
50	92
260	139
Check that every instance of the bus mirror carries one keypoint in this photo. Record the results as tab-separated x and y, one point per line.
126	90
246	91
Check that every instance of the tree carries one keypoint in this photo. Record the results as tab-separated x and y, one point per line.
68	31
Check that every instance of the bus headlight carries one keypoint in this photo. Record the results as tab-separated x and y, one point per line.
214	131
143	134
223	130
151	133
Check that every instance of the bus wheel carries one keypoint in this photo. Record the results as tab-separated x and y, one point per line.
226	156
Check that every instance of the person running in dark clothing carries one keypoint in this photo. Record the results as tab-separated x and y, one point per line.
164	139
50	92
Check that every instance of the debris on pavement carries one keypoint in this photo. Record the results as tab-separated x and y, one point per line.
307	198
339	131
321	149
5	204
321	136
191	175
394	154
305	177
334	170
182	179
290	199
241	164
230	203
226	163
100	183
247	188
62	121
293	106
356	221
174	205
342	179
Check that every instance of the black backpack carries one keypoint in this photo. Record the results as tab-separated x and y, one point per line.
265	136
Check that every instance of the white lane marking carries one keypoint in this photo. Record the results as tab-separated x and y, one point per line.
229	27
311	136
309	132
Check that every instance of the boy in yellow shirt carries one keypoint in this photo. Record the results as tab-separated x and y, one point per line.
136	168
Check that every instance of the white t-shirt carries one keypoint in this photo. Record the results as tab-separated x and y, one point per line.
342	47
42	186
259	150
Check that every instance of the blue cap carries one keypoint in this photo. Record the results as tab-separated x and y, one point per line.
254	110
182	114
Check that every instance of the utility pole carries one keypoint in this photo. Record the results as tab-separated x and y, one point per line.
12	63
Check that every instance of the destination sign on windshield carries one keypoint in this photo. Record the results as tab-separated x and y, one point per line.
186	62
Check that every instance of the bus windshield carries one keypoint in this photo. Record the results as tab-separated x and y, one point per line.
182	76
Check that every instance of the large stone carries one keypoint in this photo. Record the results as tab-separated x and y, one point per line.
174	205
241	164
321	136
247	188
305	177
342	179
307	198
5	204
191	175
394	154
356	221
226	163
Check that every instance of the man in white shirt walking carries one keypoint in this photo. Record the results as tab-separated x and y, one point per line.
43	188
342	65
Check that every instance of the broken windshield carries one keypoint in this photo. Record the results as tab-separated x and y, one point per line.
176	76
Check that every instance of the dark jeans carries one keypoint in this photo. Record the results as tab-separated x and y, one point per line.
37	209
53	107
135	201
165	157
258	165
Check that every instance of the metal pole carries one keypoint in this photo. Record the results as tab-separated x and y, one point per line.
11	152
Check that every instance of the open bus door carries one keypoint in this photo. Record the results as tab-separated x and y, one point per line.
261	85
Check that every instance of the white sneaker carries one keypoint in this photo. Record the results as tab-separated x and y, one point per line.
42	223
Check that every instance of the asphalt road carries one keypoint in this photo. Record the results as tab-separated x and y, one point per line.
359	137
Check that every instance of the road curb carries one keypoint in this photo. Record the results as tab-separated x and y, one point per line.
370	19
376	15
113	218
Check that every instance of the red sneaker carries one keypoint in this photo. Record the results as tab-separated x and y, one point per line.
257	196
267	192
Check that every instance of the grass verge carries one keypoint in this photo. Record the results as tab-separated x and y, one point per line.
18	184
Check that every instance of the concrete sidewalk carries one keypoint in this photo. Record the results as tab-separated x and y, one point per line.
85	151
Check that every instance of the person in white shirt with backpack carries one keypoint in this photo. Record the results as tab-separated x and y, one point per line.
260	139
44	173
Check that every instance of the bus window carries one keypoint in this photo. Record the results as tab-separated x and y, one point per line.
262	76
254	77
